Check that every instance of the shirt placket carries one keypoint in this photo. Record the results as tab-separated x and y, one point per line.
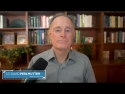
60	73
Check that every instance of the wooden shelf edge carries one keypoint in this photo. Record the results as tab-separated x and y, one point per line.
7	67
41	44
114	13
12	29
86	44
114	28
114	62
13	13
107	62
34	28
83	12
13	45
113	43
87	27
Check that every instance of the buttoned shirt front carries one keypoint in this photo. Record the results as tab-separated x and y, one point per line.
76	69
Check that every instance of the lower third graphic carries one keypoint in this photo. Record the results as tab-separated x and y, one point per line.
17	74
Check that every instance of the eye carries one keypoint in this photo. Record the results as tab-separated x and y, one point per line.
57	30
67	30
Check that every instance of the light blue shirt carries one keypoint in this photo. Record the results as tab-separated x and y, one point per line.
76	69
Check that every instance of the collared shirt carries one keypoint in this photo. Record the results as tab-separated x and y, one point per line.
76	69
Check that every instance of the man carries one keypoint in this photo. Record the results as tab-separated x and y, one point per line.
64	65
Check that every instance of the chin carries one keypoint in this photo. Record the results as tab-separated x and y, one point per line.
63	48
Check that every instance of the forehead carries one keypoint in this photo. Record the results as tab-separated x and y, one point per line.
62	21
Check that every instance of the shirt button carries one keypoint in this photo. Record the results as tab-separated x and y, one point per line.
60	81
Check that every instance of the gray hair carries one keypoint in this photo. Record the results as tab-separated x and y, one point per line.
61	14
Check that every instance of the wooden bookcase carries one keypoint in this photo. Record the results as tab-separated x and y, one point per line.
104	70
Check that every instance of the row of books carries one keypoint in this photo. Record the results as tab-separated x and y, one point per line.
114	21
118	54
41	37
43	21
78	39
114	37
39	21
82	20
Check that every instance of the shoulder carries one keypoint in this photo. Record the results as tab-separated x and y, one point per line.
40	55
80	57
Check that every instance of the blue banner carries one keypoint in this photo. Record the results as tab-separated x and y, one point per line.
22	74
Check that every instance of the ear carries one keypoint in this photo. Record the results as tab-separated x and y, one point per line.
74	32
49	33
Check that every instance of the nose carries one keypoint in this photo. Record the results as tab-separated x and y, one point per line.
63	34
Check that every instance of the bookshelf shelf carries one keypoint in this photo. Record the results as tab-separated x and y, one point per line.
88	28
115	13
38	28
108	62
113	62
13	13
114	43
4	67
12	29
87	44
109	28
41	45
83	12
43	12
14	44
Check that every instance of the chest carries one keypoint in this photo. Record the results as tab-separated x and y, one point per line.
60	73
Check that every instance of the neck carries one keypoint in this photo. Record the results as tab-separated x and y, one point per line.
61	55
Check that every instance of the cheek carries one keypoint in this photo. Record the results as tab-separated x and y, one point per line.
54	36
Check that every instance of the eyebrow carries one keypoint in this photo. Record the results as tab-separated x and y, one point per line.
60	27
57	27
68	27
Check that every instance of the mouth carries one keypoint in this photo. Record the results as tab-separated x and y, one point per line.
62	41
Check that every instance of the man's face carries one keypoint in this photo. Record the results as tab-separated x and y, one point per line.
61	33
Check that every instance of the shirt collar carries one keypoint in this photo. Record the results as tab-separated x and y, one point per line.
71	55
51	54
